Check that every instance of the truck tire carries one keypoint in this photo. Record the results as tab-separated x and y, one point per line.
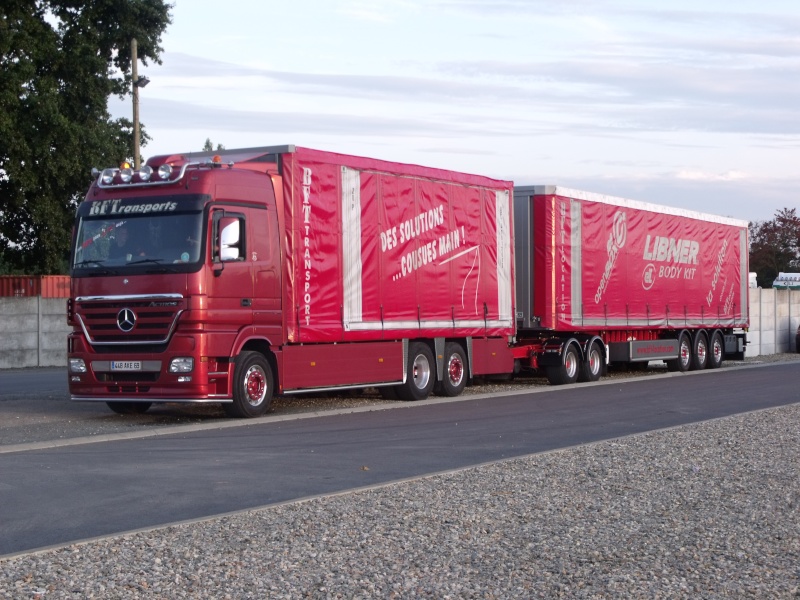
700	352
567	371
454	378
684	360
129	408
253	386
420	378
716	351
388	392
592	367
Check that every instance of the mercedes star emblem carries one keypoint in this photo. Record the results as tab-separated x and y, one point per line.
126	320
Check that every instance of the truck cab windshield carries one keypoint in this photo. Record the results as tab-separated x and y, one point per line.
115	243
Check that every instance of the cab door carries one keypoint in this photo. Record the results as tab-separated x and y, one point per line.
230	285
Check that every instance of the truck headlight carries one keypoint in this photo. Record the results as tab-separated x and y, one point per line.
182	364
77	365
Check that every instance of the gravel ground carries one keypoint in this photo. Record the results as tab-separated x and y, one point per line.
708	510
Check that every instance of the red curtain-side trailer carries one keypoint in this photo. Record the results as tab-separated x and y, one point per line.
603	279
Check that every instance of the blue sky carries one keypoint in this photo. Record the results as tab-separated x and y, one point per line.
690	104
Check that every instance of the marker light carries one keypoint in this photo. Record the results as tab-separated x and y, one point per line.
145	173
164	171
107	176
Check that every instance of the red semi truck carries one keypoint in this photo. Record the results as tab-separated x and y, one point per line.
229	277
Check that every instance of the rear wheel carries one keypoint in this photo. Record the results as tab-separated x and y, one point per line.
567	371
700	352
129	408
253	386
716	351
420	374
592	367
454	378
684	360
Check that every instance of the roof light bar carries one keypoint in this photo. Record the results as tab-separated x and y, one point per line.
126	177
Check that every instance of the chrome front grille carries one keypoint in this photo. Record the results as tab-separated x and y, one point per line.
129	320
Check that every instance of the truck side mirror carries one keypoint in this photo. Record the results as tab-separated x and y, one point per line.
230	239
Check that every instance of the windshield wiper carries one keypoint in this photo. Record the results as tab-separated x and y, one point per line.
85	263
146	260
95	272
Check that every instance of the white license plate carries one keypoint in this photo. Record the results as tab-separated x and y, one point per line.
126	365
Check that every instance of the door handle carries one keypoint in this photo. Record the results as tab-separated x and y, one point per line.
246	302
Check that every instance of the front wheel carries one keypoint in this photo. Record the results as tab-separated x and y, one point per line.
567	371
129	408
253	386
454	378
420	373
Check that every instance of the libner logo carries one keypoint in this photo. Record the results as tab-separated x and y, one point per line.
616	240
649	276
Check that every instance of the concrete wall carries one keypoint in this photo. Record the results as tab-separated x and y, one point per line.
774	317
33	330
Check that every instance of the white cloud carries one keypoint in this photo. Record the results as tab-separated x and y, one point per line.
705	176
675	105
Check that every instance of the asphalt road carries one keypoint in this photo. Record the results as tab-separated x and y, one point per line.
35	407
56	495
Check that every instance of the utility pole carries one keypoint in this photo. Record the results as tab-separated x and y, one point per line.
136	83
135	80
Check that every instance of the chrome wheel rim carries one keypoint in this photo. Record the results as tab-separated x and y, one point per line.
255	385
571	364
455	370
594	362
421	371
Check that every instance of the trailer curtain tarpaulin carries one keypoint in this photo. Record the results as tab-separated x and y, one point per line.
403	249
621	263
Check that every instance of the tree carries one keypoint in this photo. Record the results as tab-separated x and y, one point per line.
775	246
59	63
209	147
